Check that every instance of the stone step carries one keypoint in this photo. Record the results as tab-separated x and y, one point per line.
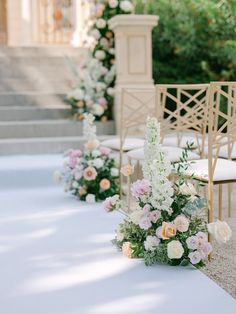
43	84
49	128
21	113
33	146
41	99
47	51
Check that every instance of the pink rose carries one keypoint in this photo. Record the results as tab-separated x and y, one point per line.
72	162
146	208
105	150
102	101
192	242
110	203
76	153
140	187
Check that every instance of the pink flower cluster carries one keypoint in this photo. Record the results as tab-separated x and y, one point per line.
74	155
200	246
149	217
111	203
140	188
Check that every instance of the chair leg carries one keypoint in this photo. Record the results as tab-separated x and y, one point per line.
129	188
229	198
210	206
220	202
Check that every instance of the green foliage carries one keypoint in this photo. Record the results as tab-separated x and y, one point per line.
195	41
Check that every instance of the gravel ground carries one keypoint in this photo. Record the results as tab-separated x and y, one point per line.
222	268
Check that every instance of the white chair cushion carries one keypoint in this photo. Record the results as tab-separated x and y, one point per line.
130	143
172	140
223	152
173	153
225	170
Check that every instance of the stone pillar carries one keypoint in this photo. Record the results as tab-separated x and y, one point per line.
133	56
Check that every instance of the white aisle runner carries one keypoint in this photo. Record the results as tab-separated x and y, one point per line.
56	258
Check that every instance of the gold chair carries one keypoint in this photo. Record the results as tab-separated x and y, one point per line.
221	133
182	112
136	105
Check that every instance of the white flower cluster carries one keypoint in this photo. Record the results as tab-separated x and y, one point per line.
151	145
157	168
89	129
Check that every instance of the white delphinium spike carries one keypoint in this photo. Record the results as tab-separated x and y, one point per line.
151	146
157	168
90	132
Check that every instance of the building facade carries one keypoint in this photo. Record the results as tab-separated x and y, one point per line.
44	22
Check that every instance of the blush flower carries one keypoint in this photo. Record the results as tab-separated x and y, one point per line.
105	150
220	231
90	173
110	203
92	144
181	223
140	187
166	231
127	250
105	184
127	170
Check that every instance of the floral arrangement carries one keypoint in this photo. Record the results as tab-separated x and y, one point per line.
95	78
91	175
168	224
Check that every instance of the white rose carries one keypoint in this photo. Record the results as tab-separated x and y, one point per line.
111	91
119	234
114	172
113	4
220	231
57	177
75	184
100	55
126	6
151	243
111	51
181	223
96	153
136	216
175	249
98	110
100	86
77	94
98	163
90	198
95	34
187	189
101	23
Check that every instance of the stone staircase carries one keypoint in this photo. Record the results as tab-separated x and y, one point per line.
33	117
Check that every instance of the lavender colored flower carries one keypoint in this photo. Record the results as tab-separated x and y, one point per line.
155	215
146	208
140	187
195	257
145	223
192	242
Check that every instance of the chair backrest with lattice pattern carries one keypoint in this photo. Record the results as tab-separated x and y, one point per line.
182	108
222	121
136	105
